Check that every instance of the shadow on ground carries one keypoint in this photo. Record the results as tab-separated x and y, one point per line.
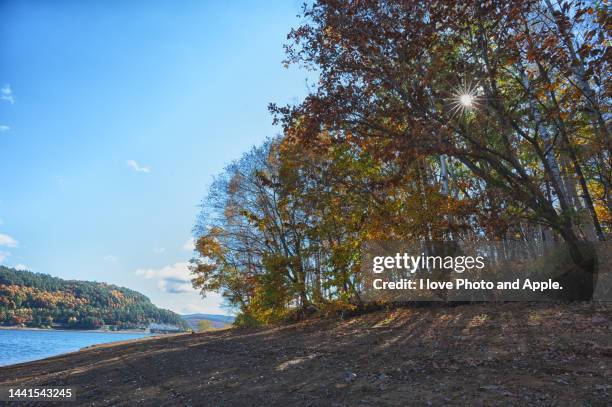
485	354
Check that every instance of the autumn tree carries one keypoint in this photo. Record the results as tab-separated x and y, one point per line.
282	228
251	240
489	85
437	120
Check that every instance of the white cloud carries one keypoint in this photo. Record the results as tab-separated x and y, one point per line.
177	270
193	304
6	93
176	279
7	241
111	258
21	266
174	286
4	128
3	255
137	167
160	250
172	279
189	244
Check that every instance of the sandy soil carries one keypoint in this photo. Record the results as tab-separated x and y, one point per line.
483	355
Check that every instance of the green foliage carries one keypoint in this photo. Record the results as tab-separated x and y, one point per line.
204	325
247	320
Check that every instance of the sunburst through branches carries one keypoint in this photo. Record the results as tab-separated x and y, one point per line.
464	98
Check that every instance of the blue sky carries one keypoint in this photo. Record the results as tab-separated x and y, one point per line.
115	115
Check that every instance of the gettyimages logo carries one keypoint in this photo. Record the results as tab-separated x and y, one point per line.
422	262
395	271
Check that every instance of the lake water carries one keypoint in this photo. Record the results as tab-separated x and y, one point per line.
21	345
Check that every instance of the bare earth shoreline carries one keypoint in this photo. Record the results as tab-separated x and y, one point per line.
493	354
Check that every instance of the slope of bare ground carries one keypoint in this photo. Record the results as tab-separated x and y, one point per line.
487	354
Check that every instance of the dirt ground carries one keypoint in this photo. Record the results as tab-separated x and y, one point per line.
487	354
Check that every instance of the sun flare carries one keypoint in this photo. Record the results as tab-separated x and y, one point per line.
464	98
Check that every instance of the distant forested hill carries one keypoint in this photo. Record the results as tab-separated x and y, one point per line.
40	300
216	321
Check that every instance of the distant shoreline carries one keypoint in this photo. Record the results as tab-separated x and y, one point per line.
27	328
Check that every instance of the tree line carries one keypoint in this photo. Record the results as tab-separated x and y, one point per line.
40	300
436	120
